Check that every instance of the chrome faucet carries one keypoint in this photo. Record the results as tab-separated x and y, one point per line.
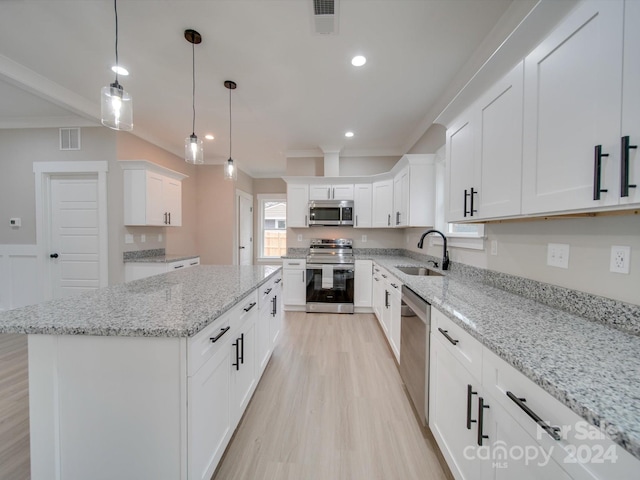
445	254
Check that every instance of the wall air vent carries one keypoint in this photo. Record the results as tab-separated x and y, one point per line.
69	139
325	16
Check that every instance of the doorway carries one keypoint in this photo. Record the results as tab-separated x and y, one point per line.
244	220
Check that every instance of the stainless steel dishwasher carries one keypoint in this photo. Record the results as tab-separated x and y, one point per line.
415	328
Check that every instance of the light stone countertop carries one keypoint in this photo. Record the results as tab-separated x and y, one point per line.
160	259
591	367
175	304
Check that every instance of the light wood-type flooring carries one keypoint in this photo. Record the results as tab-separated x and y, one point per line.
330	406
14	408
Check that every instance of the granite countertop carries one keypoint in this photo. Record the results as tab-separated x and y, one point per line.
590	367
176	304
160	259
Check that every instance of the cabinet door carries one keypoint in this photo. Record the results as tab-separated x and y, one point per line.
506	438
320	192
382	203
572	104
460	168
394	319
499	147
448	411
401	198
362	205
378	294
172	195
362	284
386	311
275	318
631	97
342	192
243	361
294	289
263	336
155	200
209	414
297	205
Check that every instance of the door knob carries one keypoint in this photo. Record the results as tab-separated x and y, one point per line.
54	255
241	248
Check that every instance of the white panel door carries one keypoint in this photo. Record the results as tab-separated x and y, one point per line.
297	205
245	230
382	204
460	168
172	196
362	205
74	235
155	200
572	104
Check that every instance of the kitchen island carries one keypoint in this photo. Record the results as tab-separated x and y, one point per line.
146	379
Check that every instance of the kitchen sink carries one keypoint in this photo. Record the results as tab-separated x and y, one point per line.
421	271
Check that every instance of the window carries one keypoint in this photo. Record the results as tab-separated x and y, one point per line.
272	210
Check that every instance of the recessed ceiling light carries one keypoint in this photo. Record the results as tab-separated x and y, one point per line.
208	136
358	61
117	69
348	134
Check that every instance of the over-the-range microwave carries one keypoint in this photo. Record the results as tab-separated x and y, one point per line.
331	212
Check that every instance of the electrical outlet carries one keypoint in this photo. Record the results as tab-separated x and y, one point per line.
299	238
159	237
128	238
620	259
143	238
494	247
558	255
364	239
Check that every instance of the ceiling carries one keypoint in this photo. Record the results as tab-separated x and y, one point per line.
297	91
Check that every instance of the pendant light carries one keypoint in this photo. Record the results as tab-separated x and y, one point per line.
116	108
193	147
230	170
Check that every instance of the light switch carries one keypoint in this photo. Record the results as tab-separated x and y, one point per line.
15	222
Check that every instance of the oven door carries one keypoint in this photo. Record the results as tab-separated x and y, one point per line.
330	288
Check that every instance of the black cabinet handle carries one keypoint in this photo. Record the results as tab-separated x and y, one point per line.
178	266
472	210
169	218
268	291
386	298
242	348
278	280
54	255
251	305
624	167
237	345
465	202
217	337
274	305
333	193
394	285
193	263
388	220
446	334
481	407
397	218
384	276
165	218
356	221
597	171
554	432
470	392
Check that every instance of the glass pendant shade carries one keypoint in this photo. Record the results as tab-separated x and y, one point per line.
193	150
116	108
230	170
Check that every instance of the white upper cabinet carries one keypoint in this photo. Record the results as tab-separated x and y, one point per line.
382	203
414	192
401	198
484	149
572	108
362	205
630	166
298	205
152	194
331	192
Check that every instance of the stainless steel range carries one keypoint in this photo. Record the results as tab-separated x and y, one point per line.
330	272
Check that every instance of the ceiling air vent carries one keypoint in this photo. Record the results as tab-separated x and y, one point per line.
325	16
69	139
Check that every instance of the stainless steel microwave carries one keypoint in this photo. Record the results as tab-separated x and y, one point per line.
331	212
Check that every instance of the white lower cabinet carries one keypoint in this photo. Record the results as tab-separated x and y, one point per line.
395	300
387	299
243	360
491	422
138	270
269	322
362	284
294	277
377	292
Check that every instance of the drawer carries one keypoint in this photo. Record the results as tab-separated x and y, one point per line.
210	340
245	308
294	264
192	262
266	292
461	344
583	450
172	266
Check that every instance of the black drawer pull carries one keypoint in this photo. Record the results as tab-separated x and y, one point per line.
278	280
178	266
481	407
554	432
268	291
251	305
597	171
470	392
194	263
624	168
394	285
222	332
446	334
